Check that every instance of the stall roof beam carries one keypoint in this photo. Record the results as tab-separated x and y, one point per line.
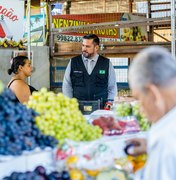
116	24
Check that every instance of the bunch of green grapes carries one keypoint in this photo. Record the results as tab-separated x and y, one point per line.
123	109
143	122
59	116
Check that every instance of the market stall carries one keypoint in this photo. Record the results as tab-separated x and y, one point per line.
85	147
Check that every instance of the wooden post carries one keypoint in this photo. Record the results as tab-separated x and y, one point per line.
68	6
51	36
130	6
104	6
150	32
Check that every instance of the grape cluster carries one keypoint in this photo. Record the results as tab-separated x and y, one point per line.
123	109
143	122
108	125
126	109
61	117
38	174
18	131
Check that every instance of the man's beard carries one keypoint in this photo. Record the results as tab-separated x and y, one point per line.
87	55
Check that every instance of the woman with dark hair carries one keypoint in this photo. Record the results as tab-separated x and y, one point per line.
21	68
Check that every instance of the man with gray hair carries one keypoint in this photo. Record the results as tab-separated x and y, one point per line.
152	78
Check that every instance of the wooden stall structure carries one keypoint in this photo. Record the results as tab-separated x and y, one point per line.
62	50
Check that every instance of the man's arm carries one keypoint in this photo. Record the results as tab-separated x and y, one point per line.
67	85
112	86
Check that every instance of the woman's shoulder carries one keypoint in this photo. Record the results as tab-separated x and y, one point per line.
20	82
17	84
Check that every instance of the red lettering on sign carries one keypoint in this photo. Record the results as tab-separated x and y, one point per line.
8	13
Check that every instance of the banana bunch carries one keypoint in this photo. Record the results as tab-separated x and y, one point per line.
133	34
20	45
12	44
124	92
4	43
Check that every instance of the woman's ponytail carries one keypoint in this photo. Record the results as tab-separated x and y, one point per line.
10	71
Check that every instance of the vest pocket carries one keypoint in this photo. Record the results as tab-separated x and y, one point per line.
100	80
78	79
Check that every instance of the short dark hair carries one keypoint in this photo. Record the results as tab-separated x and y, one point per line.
15	63
95	38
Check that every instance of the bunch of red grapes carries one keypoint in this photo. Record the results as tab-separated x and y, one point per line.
108	124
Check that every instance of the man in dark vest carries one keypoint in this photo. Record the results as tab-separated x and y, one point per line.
90	76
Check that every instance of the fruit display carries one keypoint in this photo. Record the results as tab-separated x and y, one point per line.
143	122
76	165
18	131
133	34
108	124
39	173
137	161
125	109
61	117
6	43
129	124
76	174
112	174
100	159
124	92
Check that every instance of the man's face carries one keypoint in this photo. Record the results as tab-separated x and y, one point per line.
148	105
89	49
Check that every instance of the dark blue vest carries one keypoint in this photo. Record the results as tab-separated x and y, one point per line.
93	86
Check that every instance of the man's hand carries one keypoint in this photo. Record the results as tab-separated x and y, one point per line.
140	146
108	106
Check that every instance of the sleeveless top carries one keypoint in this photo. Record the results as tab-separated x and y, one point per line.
32	89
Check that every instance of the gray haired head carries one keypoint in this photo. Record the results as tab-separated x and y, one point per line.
153	65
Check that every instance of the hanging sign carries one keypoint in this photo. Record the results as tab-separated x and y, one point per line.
109	34
11	19
60	21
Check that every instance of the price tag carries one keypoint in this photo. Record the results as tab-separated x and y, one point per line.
87	108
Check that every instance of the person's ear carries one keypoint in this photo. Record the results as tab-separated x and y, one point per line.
156	94
97	47
20	67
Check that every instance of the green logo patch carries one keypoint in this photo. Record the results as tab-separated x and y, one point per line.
101	71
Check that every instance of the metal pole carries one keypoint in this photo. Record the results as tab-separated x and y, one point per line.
43	14
29	35
173	27
150	32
